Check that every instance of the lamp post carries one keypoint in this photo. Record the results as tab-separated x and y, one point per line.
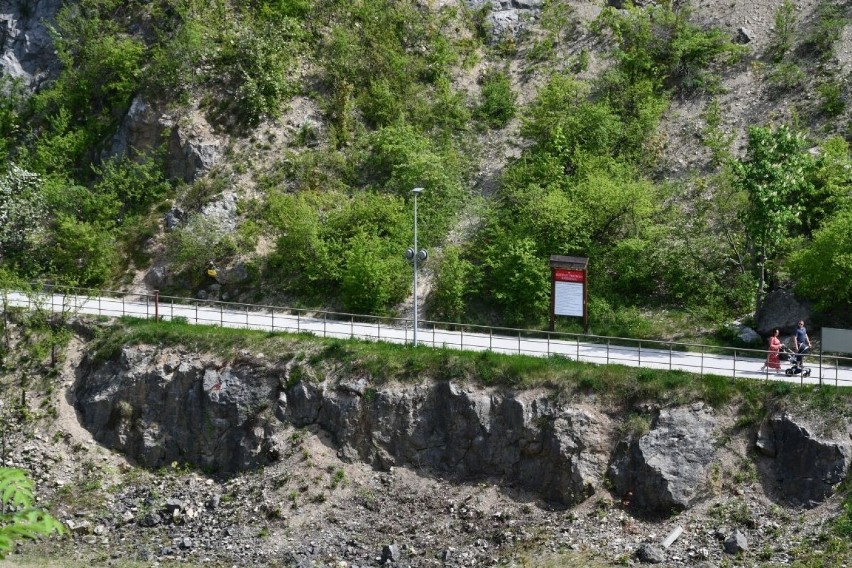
414	255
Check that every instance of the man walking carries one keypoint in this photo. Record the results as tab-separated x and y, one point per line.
801	341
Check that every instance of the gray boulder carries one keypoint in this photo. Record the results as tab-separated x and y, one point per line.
235	274
665	470
780	310
804	468
222	213
140	131
156	277
736	543
193	150
647	553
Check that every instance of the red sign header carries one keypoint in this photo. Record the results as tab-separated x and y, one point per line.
563	275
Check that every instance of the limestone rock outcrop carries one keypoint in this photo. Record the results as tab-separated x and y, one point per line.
666	469
804	467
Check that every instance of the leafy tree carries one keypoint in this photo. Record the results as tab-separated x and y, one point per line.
831	179
822	267
13	95
22	211
452	285
518	279
374	277
775	176
82	249
19	519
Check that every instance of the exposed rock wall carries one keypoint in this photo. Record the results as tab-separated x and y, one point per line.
804	468
26	48
160	406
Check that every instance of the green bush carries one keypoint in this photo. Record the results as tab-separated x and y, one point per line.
497	106
82	252
374	277
826	31
822	267
832	103
518	280
452	286
786	77
660	43
784	32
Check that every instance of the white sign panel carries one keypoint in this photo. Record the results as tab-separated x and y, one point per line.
836	340
568	299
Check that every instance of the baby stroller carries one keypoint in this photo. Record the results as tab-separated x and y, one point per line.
797	366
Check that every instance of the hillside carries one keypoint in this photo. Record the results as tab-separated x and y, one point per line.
280	141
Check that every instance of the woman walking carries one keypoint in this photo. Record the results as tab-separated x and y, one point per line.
772	359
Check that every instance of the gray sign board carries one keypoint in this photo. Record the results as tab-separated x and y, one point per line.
836	340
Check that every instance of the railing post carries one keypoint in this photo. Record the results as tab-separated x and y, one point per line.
490	339
351	326
433	334
324	318
298	321
702	361
196	313
273	319
247	316
640	353
577	338
519	342
548	344
122	305
156	305
378	330
461	339
147	314
820	366
99	305
173	309
221	317
735	364
670	356
607	350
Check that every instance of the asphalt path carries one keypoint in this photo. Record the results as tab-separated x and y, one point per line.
731	363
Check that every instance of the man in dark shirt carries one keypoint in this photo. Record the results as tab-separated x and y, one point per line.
801	341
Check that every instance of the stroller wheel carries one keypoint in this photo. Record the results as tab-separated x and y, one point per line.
806	373
789	372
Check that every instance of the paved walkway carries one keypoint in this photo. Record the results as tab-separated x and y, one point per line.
742	363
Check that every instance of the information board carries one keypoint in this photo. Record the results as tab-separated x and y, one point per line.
568	299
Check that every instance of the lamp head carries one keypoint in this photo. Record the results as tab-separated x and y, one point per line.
416	190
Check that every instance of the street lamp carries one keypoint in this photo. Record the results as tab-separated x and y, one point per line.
414	255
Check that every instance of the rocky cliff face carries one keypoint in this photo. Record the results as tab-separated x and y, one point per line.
161	406
26	48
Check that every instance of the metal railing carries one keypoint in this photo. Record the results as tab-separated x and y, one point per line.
667	355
